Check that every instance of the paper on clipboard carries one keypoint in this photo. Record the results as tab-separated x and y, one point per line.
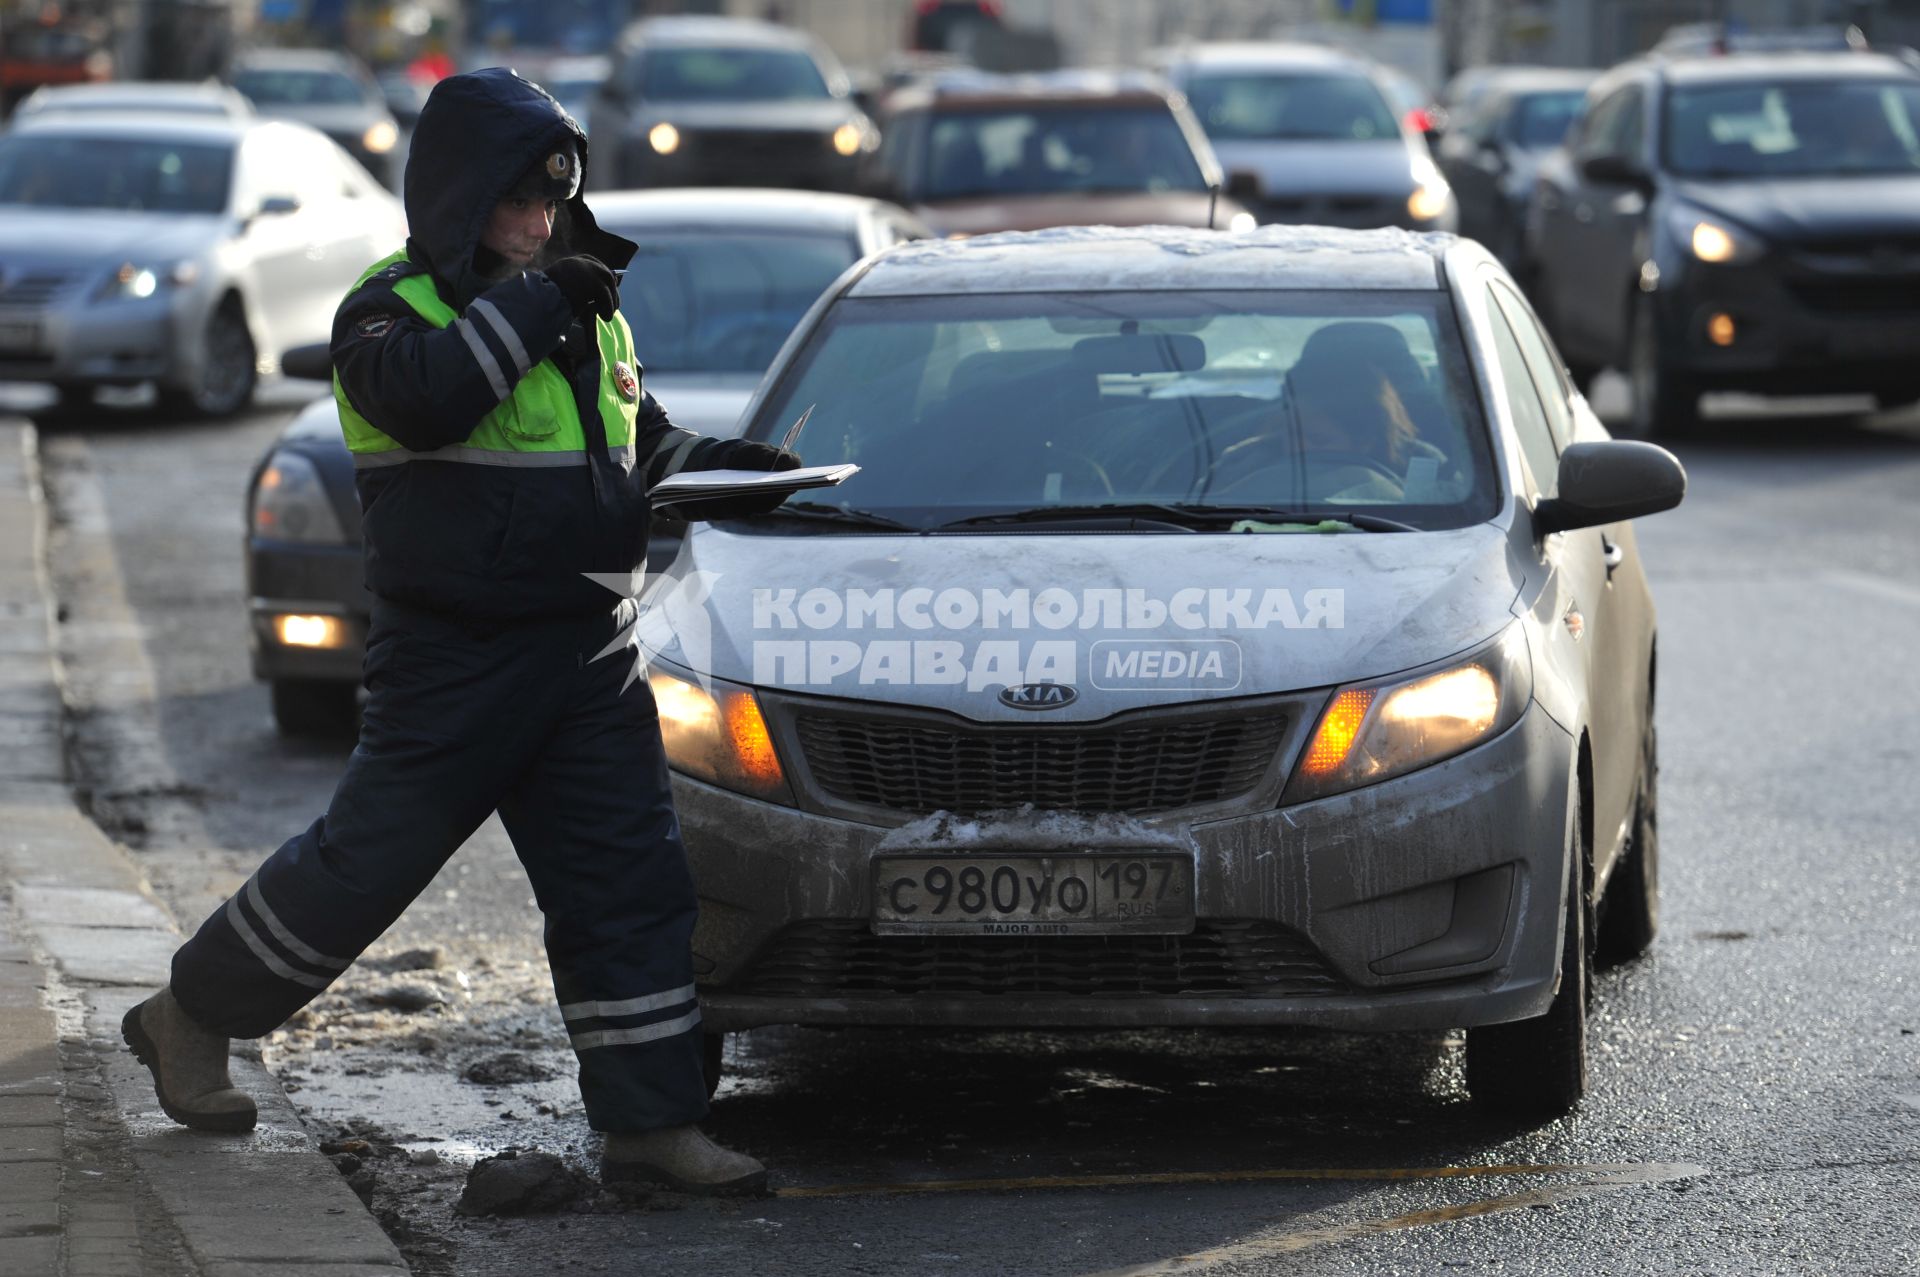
700	485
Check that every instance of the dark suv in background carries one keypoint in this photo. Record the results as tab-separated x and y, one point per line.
1747	222
721	102
972	153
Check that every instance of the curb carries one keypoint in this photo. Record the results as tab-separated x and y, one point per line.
92	935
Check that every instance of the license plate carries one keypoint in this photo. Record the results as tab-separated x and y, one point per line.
1033	895
19	336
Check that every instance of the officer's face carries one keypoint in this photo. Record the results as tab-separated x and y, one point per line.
519	228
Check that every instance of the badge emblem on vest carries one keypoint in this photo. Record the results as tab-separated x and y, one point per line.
628	383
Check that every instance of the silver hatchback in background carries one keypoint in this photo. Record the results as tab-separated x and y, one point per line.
186	251
1221	630
1307	136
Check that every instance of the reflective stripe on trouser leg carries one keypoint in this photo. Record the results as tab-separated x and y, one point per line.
431	760
594	825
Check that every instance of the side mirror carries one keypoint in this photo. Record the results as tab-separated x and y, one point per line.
1608	482
1614	170
310	363
278	205
1242	186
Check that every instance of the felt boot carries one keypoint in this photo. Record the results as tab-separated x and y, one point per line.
682	1158
189	1067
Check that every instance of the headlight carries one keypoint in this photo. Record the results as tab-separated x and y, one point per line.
718	736
848	137
1714	243
291	504
664	138
380	137
138	280
1429	201
1243	222
1371	732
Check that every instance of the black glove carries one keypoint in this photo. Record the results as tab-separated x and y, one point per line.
748	454
589	287
740	454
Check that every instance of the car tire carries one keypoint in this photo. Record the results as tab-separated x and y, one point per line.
1536	1069
328	708
227	374
713	1050
1665	403
1630	914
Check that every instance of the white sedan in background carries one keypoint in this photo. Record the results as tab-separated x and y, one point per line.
184	251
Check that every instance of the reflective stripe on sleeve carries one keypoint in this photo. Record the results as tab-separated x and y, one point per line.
516	350
681	454
628	1006
484	357
645	1033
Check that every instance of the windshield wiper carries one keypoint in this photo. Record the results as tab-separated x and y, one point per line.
819	510
1191	516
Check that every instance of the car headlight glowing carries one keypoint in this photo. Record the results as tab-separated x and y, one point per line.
718	736
290	503
664	138
847	138
1242	222
140	281
380	137
1372	732
1429	201
299	630
1712	243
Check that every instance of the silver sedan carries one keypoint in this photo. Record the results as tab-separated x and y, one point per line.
187	252
1222	629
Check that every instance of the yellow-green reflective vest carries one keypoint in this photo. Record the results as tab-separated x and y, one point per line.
536	423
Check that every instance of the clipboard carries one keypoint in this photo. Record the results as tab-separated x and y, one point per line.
702	485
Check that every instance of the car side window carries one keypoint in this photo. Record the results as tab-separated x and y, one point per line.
1523	396
1603	123
1549	374
1629	135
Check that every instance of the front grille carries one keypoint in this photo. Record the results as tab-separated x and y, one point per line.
727	145
33	288
1883	295
842	958
1149	767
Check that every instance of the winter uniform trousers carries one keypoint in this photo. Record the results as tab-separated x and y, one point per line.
463	719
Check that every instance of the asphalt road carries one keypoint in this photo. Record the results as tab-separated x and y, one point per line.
1757	1102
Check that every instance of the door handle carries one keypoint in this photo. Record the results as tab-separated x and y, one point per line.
1612	554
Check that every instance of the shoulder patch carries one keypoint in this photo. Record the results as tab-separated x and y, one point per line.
373	325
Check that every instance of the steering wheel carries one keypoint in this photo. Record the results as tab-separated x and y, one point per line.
1289	471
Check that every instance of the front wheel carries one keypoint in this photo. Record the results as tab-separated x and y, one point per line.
1664	401
1537	1069
223	383
316	707
1630	914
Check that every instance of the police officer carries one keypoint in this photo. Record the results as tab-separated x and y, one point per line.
503	444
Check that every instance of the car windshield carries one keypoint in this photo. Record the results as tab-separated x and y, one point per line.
300	88
134	174
1247	106
1042	151
729	75
1542	119
1318	404
1805	128
722	300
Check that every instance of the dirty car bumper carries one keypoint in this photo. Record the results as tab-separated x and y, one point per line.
1430	901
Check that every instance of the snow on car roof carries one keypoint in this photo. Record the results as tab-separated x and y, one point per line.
1116	259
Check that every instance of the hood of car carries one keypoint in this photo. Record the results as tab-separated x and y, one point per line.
821	115
1039	212
83	239
708	403
336	119
1216	616
1317	167
1790	211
